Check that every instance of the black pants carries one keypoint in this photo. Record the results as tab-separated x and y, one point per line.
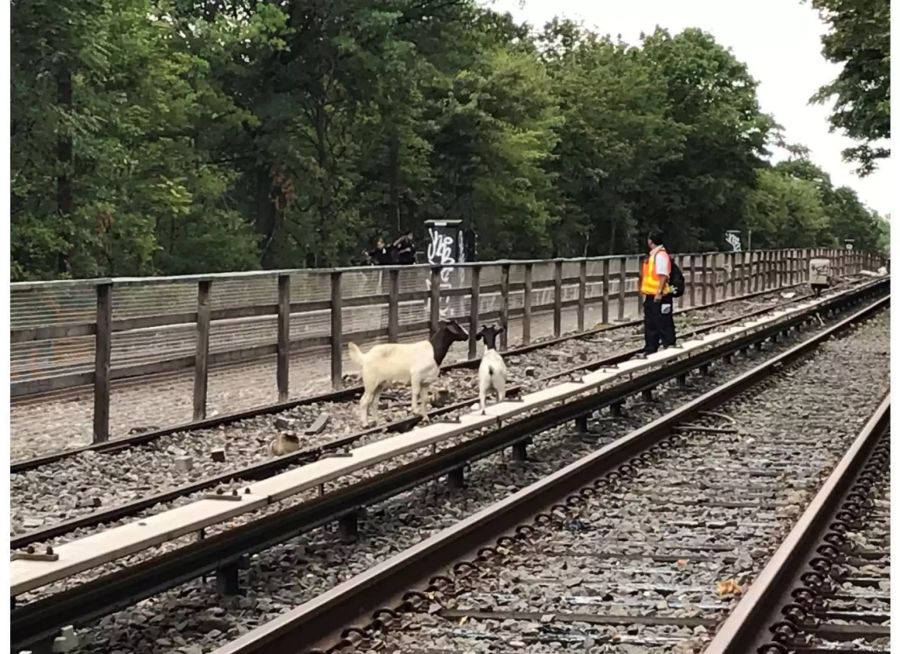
659	323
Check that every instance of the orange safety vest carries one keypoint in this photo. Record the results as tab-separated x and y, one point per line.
649	278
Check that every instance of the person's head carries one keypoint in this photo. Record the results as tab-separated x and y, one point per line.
654	239
379	243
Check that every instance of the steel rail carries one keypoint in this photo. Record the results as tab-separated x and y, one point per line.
36	620
336	396
745	629
262	470
325	619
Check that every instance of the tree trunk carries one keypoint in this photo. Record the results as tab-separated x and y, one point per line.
265	222
326	209
65	202
394	163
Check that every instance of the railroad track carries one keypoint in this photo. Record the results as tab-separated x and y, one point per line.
742	306
827	588
645	544
137	488
98	598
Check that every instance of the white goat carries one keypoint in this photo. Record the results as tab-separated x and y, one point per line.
492	371
417	364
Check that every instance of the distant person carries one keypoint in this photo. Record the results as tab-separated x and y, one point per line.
382	255
405	250
659	321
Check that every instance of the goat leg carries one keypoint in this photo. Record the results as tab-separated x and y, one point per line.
500	385
376	398
424	400
364	402
416	384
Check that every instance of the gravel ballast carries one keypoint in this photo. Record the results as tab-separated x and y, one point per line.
91	481
193	618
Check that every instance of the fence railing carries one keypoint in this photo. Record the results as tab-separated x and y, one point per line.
90	333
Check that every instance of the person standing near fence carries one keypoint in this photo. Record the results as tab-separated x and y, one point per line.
382	255
405	250
659	321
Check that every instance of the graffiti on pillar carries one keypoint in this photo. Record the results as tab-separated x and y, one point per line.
441	252
734	241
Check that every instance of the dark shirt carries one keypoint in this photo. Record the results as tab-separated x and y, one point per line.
381	256
406	253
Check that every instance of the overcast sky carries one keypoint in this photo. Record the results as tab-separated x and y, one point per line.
777	39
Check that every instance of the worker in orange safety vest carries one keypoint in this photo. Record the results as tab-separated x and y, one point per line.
659	323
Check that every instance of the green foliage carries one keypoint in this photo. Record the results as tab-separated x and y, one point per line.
860	41
712	98
796	205
181	136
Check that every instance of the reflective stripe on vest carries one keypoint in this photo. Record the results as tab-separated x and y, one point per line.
649	278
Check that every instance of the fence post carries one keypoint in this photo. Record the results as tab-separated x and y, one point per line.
751	272
435	303
582	292
504	305
724	275
704	262
284	337
102	352
774	266
474	305
745	273
557	297
777	265
393	305
640	283
605	310
693	280
773	270
770	268
526	304
201	358
732	281
337	331
784	268
623	262
761	269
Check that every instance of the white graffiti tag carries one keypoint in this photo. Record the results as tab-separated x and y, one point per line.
734	241
440	252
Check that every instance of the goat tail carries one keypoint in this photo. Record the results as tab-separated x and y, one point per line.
356	354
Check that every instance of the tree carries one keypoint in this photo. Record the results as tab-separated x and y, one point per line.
181	136
613	138
796	205
712	97
860	40
106	103
786	211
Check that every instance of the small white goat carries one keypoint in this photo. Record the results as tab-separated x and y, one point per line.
417	364
492	371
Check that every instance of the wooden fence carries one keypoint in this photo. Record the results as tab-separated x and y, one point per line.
89	333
